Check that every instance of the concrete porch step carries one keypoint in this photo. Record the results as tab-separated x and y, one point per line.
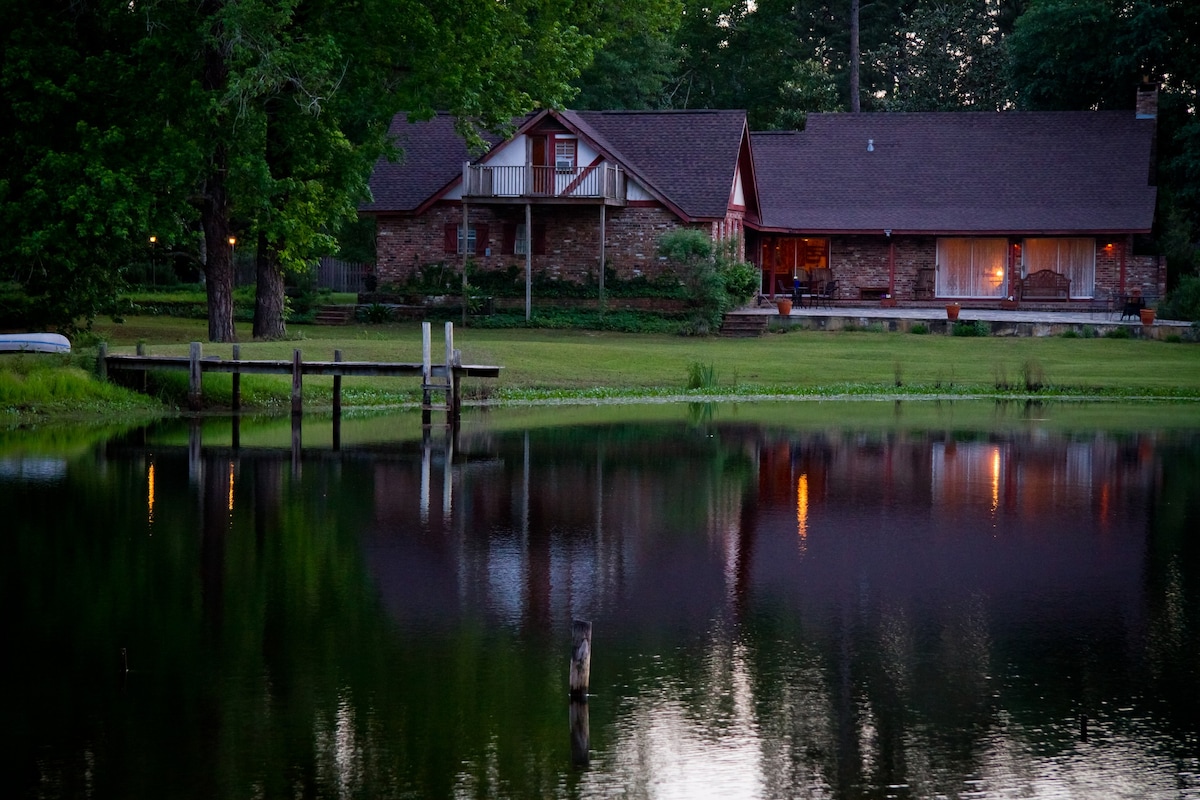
334	315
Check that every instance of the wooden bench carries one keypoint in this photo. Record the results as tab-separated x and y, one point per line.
1044	284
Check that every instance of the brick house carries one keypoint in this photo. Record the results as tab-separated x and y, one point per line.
565	193
917	206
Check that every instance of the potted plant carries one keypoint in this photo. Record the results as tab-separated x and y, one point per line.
1009	303
952	310
1147	315
784	304
887	301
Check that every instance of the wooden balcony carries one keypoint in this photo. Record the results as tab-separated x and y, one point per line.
595	185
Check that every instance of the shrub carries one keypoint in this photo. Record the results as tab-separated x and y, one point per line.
977	328
1033	375
1182	302
713	280
920	329
1119	332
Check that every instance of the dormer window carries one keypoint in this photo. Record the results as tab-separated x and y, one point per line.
564	155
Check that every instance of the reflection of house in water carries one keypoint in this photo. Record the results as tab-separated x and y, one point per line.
674	524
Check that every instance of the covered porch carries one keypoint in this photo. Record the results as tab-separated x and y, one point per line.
1046	320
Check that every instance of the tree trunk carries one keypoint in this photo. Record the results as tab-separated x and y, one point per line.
214	205
269	297
218	264
855	58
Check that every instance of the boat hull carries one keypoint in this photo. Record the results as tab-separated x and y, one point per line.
34	343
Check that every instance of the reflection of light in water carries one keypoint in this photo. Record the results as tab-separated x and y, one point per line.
995	479
230	487
689	742
339	754
150	494
802	510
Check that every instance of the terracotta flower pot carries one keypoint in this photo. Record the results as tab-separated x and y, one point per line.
784	305
952	311
1147	315
888	302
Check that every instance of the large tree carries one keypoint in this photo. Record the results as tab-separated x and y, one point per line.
949	57
202	120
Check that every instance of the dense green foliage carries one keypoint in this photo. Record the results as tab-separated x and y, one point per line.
245	120
197	122
714	281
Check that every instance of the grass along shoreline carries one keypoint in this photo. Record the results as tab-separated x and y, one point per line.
543	366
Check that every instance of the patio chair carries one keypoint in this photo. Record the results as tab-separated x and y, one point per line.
923	288
825	295
1104	301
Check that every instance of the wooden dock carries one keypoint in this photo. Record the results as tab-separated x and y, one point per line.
444	378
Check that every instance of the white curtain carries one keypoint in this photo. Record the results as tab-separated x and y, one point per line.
971	267
1075	258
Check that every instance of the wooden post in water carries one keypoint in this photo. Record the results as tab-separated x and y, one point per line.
581	659
141	351
451	384
237	379
426	372
297	384
337	405
195	379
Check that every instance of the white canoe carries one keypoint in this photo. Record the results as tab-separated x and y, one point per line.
34	343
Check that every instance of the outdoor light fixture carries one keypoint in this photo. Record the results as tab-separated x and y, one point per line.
232	241
153	239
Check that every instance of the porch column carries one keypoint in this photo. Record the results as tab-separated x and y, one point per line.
1124	242
602	220
528	260
891	265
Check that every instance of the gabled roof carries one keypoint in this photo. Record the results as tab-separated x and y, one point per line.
690	157
959	172
687	159
432	155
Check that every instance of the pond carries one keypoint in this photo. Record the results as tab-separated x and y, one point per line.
825	600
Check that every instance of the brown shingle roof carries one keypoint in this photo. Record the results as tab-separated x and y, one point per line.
432	156
959	172
687	158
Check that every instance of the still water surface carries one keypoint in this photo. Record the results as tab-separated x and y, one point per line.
852	601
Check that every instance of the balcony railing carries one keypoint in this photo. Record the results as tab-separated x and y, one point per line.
600	182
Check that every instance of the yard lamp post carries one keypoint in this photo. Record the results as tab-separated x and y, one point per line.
153	274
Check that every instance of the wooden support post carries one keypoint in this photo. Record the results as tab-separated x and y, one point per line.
581	658
603	214
141	380
426	371
102	361
297	384
237	379
337	405
195	379
451	384
528	261
337	386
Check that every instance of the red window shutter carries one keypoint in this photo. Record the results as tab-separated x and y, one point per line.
508	245
451	237
481	239
539	240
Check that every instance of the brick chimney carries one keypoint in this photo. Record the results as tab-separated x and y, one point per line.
1147	101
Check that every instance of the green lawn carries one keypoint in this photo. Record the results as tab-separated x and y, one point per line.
574	361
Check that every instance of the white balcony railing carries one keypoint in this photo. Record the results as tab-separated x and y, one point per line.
600	182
